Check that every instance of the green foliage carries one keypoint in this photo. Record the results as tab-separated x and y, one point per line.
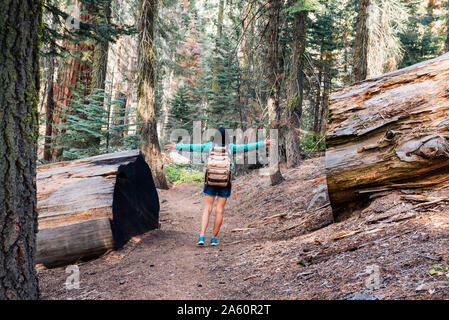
419	41
312	142
440	270
182	110
86	129
304	5
177	174
99	28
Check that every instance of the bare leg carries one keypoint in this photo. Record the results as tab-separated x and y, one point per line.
208	205
219	215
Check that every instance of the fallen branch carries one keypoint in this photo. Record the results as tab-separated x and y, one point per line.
268	219
241	229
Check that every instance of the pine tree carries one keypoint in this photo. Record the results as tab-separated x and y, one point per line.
86	130
20	35
182	112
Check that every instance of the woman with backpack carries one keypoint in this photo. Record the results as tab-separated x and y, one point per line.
219	174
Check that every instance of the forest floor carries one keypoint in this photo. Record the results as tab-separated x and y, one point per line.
277	243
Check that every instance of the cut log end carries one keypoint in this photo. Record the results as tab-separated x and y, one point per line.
78	201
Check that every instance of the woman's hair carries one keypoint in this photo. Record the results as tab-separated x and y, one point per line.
220	137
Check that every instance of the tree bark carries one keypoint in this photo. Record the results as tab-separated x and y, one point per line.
274	112
20	31
318	98
49	109
389	132
447	27
67	244
146	107
50	103
101	51
360	54
325	102
119	109
295	89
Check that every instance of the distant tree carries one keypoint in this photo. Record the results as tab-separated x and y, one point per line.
146	107
182	111
447	26
273	75
20	33
360	54
295	95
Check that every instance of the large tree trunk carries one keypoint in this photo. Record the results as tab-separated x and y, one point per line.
19	96
274	112
389	132
101	49
295	89
102	16
74	71
121	98
117	187
360	54
146	107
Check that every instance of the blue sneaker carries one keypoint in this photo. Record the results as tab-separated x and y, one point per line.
213	242
200	241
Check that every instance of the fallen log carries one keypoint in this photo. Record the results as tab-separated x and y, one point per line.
389	132
76	194
65	244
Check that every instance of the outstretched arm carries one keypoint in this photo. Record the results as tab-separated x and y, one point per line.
189	147
241	148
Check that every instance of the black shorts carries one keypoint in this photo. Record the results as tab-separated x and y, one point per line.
214	191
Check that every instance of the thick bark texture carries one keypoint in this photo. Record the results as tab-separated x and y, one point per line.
20	28
295	89
49	109
100	57
360	55
274	112
389	132
146	107
101	51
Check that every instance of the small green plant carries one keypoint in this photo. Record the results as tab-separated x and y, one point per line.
312	143
440	270
177	174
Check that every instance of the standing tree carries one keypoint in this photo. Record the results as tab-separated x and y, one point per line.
360	55
273	101
146	107
20	32
447	27
102	15
295	83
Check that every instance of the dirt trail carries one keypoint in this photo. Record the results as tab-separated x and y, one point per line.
162	264
302	255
